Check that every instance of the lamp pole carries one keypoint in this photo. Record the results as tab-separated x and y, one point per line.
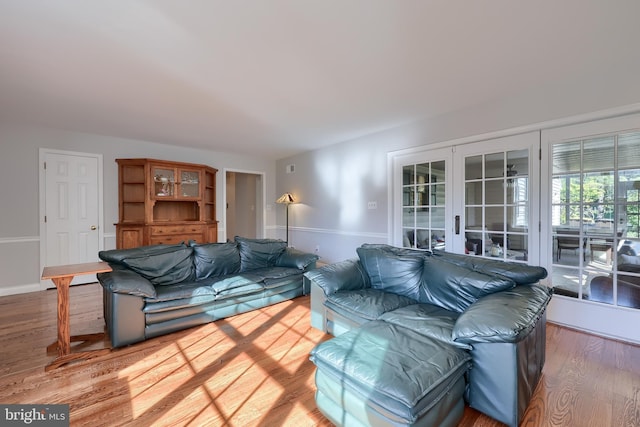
286	199
287	224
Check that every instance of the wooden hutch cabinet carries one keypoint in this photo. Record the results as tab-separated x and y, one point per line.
165	202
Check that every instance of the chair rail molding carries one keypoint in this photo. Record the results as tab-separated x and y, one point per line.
366	234
20	239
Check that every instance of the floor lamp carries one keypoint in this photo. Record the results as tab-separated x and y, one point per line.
286	199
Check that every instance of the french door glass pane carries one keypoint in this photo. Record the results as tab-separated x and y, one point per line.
473	191
423	199
497	204
494	192
408	174
494	165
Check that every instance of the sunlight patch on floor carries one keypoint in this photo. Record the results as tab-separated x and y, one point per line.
204	373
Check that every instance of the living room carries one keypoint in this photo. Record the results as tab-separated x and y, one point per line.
301	86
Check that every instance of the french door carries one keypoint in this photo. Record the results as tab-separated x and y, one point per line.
496	208
473	198
422	195
591	233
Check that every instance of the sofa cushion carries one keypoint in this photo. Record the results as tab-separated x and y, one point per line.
454	287
259	253
208	289
392	269
160	264
291	257
506	316
124	281
341	276
426	319
216	259
365	304
264	274
520	273
181	291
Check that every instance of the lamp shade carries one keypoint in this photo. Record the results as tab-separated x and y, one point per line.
286	198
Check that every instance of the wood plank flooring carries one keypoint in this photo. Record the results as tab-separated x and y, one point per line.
253	370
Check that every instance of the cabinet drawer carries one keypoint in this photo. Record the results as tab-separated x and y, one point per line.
175	239
157	230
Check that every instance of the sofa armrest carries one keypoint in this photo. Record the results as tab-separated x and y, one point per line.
505	316
346	275
297	259
129	282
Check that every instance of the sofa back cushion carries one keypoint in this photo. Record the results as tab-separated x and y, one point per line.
521	274
216	259
392	269
259	253
160	264
454	287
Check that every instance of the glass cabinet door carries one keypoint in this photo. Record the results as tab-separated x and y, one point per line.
189	183
164	180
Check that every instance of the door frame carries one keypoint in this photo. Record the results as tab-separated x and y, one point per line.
42	155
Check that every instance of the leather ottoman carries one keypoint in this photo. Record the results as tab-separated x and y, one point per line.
383	374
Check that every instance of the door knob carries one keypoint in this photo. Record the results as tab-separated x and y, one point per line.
93	227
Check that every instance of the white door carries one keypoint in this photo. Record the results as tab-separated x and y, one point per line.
421	209
591	218
71	210
498	207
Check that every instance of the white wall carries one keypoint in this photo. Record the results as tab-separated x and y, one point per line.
19	171
334	184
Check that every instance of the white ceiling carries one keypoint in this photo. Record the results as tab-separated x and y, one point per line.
276	77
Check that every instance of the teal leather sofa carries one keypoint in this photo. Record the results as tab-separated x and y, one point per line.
418	334
155	290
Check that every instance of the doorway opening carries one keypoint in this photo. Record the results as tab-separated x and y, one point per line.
244	201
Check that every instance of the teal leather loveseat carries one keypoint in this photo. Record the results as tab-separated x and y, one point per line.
155	290
418	334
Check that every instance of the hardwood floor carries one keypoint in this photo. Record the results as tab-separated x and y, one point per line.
253	370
